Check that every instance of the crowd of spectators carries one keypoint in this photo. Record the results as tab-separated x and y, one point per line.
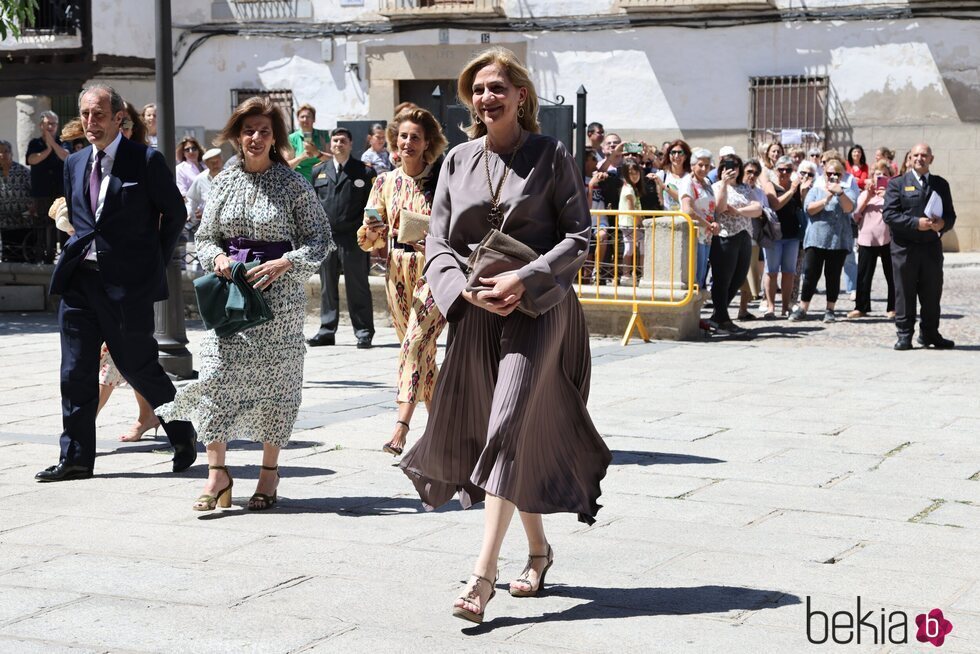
770	228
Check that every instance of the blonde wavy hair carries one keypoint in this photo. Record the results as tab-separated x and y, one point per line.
518	76
430	127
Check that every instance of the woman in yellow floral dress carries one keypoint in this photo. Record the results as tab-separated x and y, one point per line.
416	136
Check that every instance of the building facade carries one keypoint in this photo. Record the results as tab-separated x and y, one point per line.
715	72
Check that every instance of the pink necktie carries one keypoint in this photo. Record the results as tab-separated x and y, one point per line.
95	182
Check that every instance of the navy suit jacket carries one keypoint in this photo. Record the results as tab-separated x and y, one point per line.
343	196
905	203
142	218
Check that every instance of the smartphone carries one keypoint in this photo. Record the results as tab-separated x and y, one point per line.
373	215
633	148
882	182
729	165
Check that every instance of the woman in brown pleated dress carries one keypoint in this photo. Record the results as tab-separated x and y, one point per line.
509	422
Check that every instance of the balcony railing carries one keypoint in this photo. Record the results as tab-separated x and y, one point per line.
674	6
443	8
56	18
261	9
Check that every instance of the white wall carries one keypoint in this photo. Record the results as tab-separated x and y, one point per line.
123	28
8	125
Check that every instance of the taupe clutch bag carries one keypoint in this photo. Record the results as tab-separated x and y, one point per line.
496	254
412	227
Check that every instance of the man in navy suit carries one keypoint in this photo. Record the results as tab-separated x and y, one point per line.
917	250
128	215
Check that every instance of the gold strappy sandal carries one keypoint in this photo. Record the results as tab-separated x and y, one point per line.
474	594
533	590
222	498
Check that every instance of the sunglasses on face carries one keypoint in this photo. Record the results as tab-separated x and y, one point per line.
190	148
814	156
834	175
806	174
676	153
784	170
749	171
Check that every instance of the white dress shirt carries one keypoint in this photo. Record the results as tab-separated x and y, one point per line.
107	160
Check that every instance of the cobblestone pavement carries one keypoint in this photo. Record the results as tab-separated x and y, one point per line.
806	467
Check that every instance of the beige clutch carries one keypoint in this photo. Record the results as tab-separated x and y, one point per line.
496	254
412	227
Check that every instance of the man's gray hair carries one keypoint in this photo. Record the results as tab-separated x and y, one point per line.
4	143
116	102
50	115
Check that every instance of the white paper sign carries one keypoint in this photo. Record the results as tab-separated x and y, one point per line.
791	137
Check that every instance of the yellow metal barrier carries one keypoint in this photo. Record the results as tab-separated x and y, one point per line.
622	238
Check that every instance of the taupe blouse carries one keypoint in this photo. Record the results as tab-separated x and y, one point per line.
544	205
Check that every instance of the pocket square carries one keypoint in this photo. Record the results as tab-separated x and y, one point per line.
128	184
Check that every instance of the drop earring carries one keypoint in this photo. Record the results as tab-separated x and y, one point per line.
520	111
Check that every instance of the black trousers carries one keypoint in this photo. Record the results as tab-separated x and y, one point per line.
868	256
918	272
356	263
88	317
830	263
730	259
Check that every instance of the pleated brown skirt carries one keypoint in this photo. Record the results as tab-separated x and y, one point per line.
509	416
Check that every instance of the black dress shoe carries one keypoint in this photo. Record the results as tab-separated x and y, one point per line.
364	343
64	472
903	343
937	341
185	455
322	339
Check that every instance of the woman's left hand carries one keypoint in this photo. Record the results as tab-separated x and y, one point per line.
419	246
265	273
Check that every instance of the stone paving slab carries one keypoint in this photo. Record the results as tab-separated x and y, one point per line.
810	461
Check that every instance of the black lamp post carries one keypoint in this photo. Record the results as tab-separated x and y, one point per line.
170	334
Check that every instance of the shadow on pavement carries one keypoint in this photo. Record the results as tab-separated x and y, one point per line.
350	506
782	332
28	323
612	603
633	457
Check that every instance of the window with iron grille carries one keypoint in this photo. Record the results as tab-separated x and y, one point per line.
788	103
281	98
56	17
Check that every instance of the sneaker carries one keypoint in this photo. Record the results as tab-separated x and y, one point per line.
733	329
856	314
797	314
829	316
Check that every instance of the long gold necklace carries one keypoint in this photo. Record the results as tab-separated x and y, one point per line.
496	216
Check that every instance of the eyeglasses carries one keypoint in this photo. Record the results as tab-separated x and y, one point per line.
190	148
784	170
676	153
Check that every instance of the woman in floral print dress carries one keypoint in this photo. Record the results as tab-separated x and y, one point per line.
251	382
417	138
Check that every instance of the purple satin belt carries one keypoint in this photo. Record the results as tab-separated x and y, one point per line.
246	249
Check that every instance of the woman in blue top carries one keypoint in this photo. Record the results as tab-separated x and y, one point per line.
828	238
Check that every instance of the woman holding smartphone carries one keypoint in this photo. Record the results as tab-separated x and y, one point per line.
731	245
417	138
874	241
